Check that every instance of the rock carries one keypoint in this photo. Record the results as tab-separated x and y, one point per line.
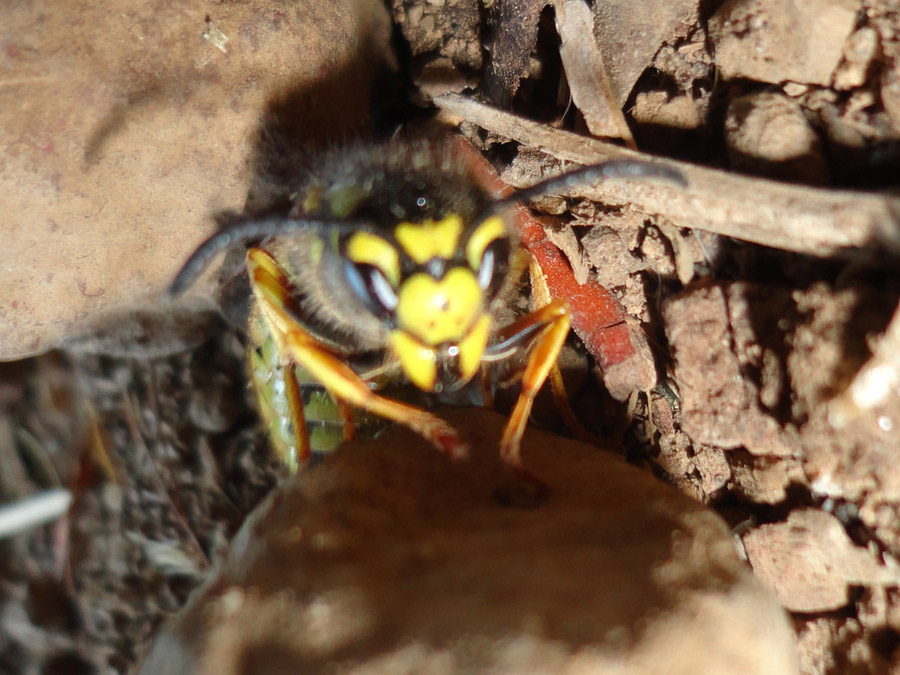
859	52
810	562
124	127
449	30
778	40
890	92
767	133
629	35
763	480
609	256
387	557
720	406
854	461
661	109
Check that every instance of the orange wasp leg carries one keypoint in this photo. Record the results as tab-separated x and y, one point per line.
271	286
349	427
541	294
542	357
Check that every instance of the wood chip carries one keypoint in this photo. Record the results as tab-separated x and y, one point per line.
588	82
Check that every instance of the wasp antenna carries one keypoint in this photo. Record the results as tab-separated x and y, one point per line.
245	232
616	168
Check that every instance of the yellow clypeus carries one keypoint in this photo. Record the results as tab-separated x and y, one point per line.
436	311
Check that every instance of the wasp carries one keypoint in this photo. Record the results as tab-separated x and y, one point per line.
390	262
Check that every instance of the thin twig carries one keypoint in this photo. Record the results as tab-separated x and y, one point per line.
814	221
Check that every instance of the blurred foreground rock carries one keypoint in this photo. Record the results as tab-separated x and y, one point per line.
387	558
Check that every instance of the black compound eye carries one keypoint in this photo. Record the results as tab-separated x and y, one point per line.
494	266
372	287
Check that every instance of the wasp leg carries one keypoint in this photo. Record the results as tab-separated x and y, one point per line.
564	406
298	419
347	418
541	294
545	349
279	399
271	286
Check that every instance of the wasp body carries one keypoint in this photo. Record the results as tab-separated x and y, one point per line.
392	263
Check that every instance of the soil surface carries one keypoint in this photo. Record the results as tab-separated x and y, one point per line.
762	299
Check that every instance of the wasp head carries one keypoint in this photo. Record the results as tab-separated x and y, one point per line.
433	282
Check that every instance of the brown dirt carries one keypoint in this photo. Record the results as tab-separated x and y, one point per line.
752	346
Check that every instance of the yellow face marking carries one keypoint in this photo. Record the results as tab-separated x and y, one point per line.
372	250
431	239
491	229
418	361
471	348
439	311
